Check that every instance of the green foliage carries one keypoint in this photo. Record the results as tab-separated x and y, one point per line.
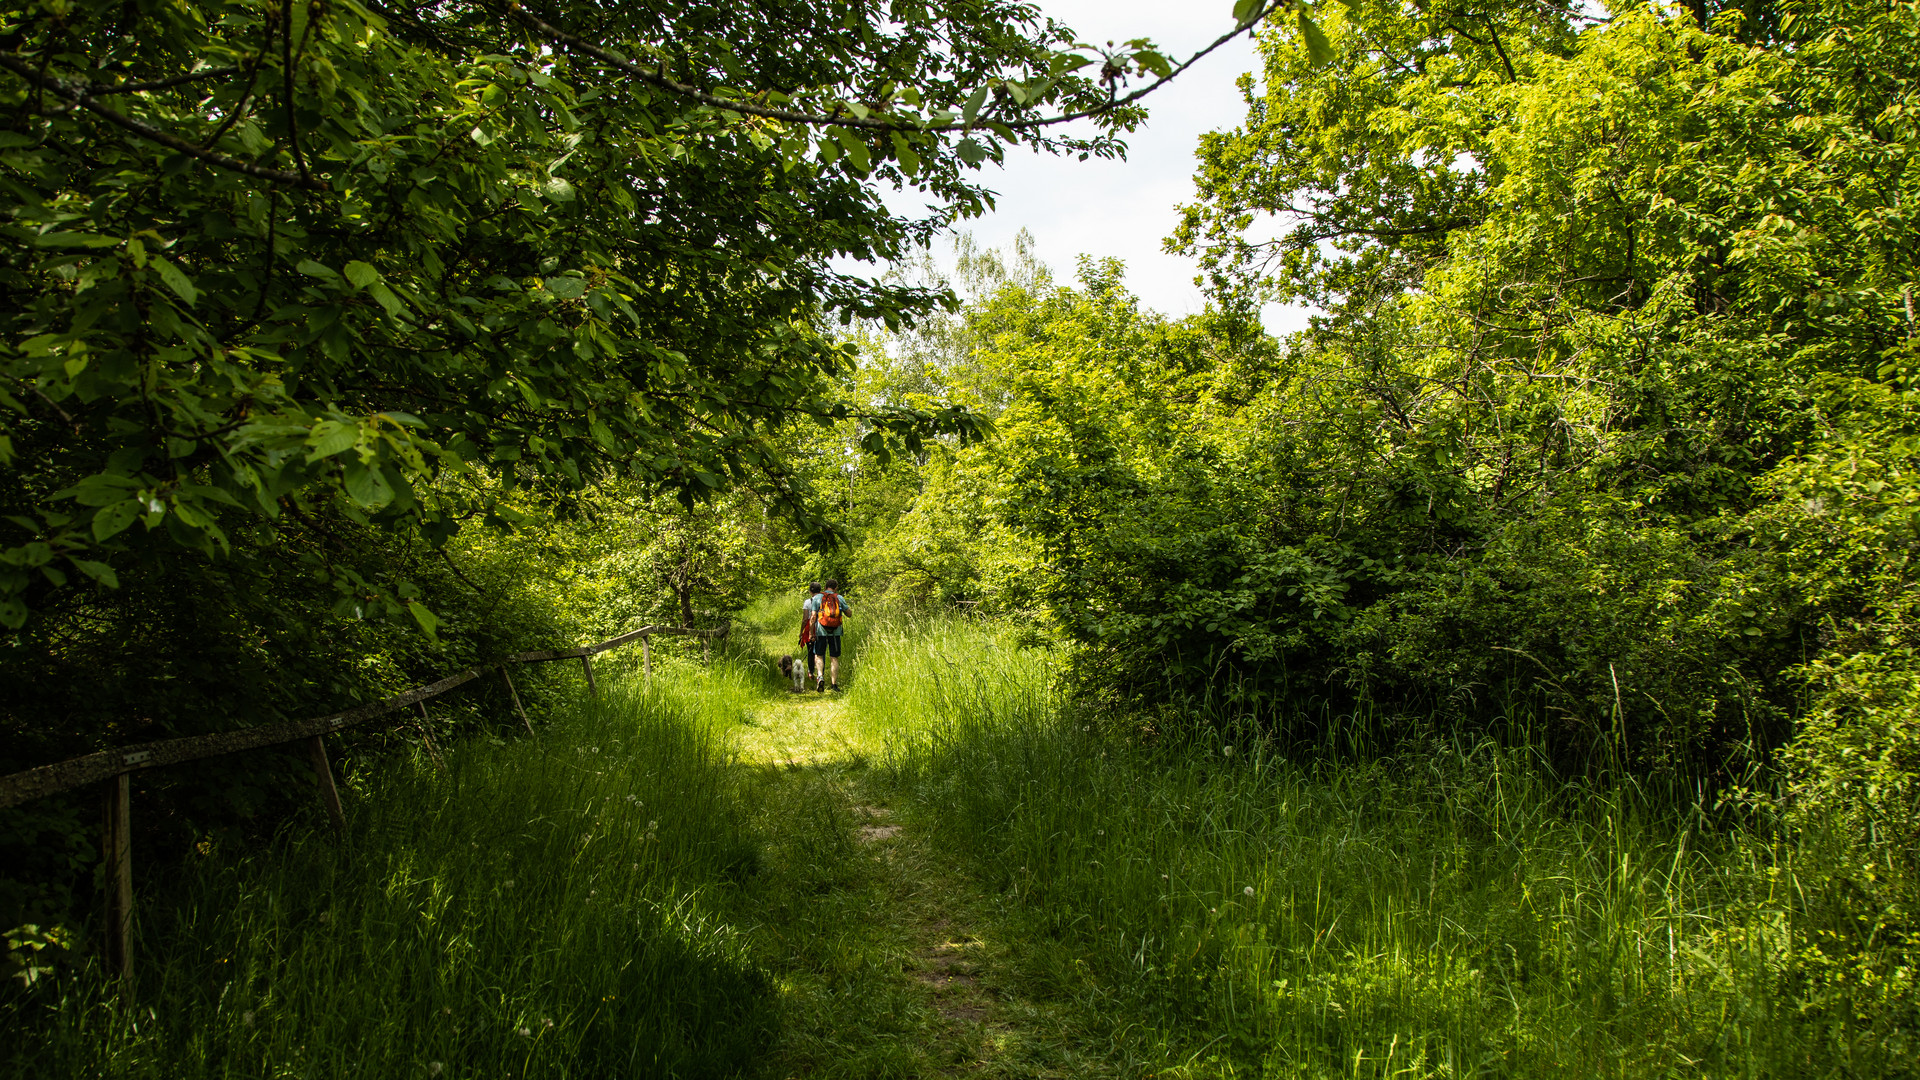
1454	909
547	906
306	308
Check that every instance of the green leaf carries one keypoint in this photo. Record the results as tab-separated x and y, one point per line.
314	269
903	150
366	486
175	279
386	299
856	148
98	571
1152	60
114	518
1245	12
429	622
360	274
566	287
971	151
1319	49
974	103
557	190
330	437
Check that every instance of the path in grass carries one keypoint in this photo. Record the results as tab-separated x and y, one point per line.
889	959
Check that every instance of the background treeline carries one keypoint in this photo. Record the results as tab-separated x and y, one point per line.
1603	437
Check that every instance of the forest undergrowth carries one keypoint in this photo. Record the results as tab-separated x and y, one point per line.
944	872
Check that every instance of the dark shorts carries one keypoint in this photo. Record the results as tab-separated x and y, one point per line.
825	645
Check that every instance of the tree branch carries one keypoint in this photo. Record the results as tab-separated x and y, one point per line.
656	77
82	97
162	84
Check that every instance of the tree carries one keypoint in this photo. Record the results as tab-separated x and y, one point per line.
267	258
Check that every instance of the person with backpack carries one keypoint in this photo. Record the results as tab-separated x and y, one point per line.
825	611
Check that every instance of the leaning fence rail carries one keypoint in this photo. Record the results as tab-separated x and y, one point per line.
117	765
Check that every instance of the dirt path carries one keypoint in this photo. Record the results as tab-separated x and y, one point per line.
890	960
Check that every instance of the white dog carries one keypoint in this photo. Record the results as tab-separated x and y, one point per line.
795	670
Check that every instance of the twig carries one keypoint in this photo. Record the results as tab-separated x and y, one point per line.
83	98
455	567
286	71
162	84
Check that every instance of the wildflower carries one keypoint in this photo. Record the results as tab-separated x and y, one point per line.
1228	751
546	1021
1248	890
1163	877
326	918
247	1018
508	884
523	1033
433	1068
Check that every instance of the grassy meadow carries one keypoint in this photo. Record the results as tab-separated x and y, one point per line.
940	872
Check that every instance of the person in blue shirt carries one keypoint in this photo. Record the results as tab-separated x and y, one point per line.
825	611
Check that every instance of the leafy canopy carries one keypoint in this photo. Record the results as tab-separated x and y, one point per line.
264	260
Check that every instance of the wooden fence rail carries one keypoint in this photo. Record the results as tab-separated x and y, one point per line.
117	764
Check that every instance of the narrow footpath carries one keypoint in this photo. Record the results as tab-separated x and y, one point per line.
888	956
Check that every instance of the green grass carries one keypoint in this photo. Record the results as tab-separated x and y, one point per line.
1457	912
547	907
683	880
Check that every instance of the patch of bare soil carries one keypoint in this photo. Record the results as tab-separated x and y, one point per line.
952	967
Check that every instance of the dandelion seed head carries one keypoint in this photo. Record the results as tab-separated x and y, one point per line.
524	1033
433	1068
1248	890
247	1018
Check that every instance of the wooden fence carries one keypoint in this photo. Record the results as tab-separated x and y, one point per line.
116	766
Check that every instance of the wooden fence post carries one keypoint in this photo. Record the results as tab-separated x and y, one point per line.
587	663
646	656
516	699
329	794
118	853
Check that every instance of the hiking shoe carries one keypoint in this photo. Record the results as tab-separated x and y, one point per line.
835	688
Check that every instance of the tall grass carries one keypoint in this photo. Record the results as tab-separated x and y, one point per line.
1454	912
546	907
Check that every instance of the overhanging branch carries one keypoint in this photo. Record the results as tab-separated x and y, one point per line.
656	77
82	97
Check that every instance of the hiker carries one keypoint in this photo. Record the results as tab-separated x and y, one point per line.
824	611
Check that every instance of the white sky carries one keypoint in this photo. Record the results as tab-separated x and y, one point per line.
1126	208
